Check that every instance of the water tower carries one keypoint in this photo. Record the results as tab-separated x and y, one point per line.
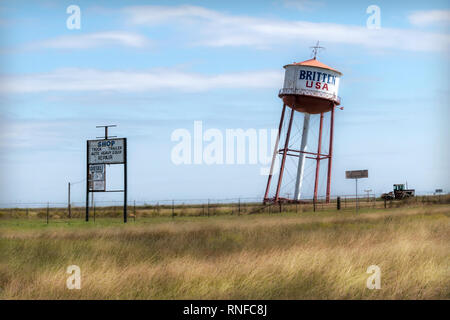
310	88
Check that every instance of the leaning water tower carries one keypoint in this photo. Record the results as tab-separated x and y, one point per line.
310	89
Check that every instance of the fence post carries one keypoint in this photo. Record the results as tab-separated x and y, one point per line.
239	206
93	205
208	207
173	209
47	211
134	210
68	203
314	204
338	203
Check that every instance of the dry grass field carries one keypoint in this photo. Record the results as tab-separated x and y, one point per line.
322	255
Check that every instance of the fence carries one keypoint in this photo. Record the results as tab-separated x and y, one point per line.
50	212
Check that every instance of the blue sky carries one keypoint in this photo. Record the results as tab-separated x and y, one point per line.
153	67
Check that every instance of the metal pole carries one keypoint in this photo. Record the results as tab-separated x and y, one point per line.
275	151
316	182
92	199
286	145
87	181
302	157
124	181
68	203
330	154
173	209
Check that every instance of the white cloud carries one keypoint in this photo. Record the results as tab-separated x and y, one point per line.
93	40
431	17
302	5
216	29
127	81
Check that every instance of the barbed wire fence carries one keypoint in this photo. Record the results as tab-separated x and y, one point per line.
176	208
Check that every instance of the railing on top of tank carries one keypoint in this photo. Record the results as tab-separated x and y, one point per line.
307	92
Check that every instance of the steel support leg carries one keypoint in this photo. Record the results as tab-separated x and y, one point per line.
286	145
330	154
275	151
316	181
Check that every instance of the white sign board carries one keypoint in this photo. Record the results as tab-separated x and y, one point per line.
97	186
321	81
97	172
97	177
357	174
106	151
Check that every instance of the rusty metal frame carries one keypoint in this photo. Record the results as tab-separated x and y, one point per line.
280	126
330	152
318	156
283	161
316	179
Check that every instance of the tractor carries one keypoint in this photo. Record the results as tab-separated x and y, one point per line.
399	193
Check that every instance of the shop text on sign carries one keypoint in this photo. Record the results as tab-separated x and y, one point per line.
107	151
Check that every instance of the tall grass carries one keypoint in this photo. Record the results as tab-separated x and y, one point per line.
307	256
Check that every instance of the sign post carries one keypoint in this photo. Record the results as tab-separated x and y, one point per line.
356	174
125	181
99	153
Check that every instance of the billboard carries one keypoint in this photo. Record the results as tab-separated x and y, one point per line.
110	151
97	177
356	174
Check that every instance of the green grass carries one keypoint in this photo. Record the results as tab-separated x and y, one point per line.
322	255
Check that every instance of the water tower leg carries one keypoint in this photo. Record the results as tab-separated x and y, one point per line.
330	154
302	157
319	146
275	151
286	145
